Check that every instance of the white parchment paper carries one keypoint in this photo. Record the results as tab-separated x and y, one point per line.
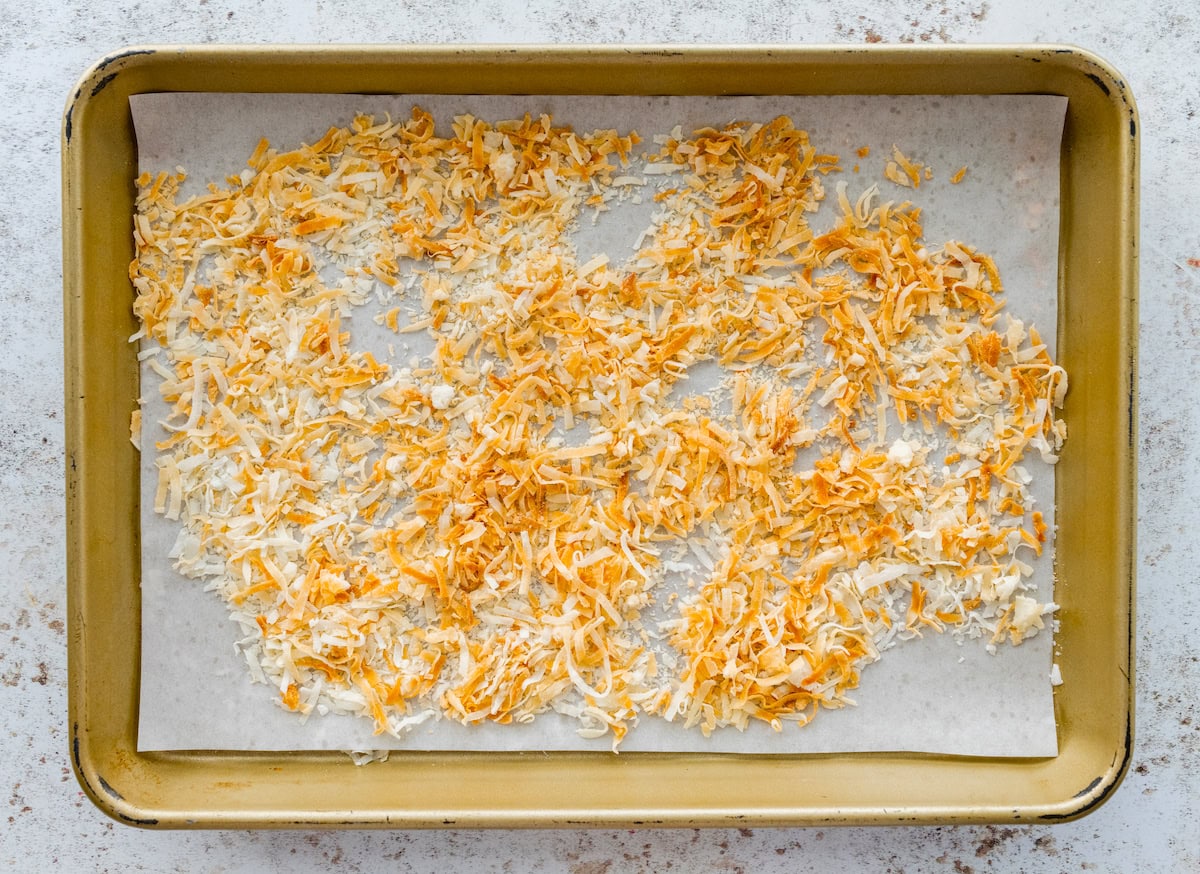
929	695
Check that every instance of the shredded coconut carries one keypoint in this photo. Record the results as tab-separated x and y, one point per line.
407	543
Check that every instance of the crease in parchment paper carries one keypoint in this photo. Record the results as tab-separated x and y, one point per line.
934	694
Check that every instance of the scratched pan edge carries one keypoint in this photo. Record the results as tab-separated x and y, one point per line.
1095	480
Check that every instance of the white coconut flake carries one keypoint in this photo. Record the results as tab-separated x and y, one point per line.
441	396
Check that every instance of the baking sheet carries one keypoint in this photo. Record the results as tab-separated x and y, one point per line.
928	695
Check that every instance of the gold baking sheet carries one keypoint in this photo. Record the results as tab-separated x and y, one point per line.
1095	548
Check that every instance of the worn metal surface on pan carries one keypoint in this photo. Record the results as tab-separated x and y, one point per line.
1096	342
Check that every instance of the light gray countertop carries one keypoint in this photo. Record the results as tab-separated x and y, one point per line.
1153	821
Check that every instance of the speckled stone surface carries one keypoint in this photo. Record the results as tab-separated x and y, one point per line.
1152	823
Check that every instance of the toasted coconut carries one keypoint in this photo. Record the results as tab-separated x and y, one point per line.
410	542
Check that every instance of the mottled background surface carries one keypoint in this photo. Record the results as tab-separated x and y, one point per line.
1152	823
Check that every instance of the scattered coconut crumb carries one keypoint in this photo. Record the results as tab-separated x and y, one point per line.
366	757
904	172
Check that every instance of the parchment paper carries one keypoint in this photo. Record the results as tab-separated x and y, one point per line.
929	695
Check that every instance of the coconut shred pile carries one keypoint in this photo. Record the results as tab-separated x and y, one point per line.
538	516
